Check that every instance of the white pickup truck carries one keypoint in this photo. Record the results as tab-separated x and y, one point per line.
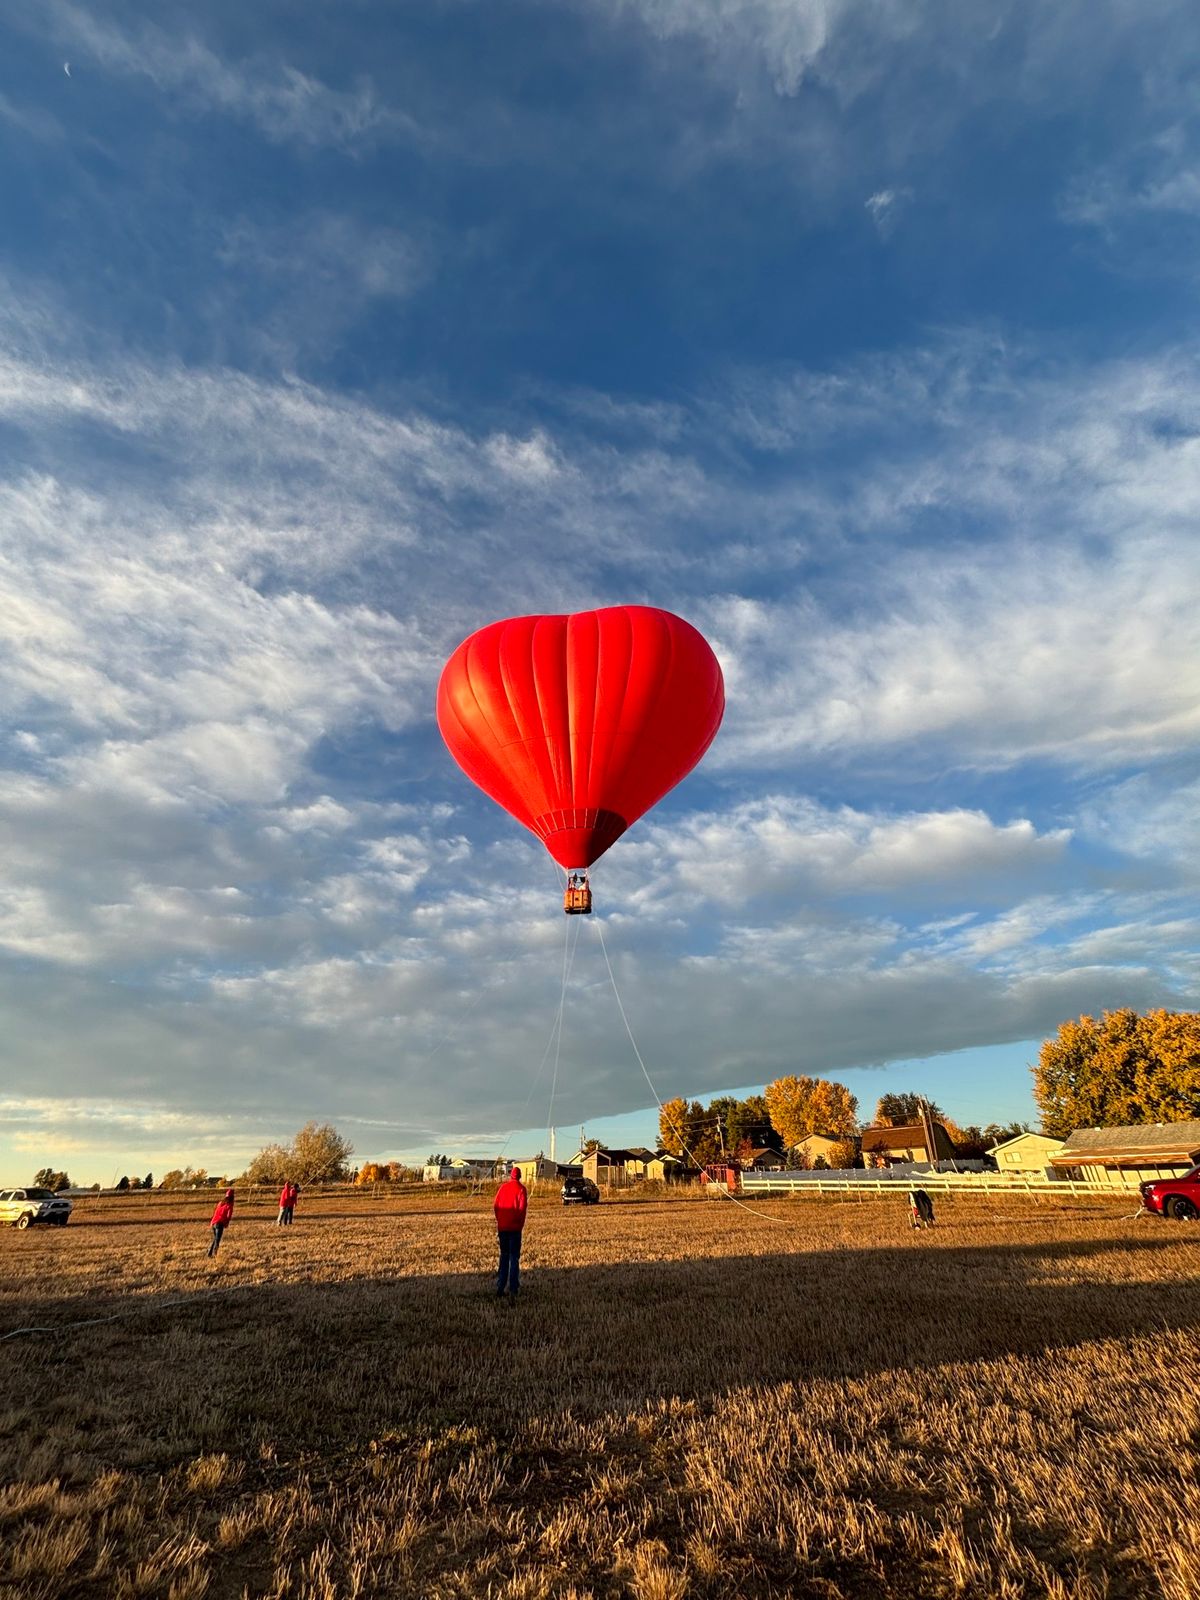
23	1207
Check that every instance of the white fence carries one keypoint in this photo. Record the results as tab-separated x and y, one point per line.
865	1183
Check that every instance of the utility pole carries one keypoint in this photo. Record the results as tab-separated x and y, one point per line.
930	1136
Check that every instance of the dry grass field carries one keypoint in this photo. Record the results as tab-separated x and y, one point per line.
687	1400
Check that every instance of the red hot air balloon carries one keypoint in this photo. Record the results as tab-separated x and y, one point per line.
579	724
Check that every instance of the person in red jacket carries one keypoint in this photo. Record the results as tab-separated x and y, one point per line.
285	1200
511	1204
221	1218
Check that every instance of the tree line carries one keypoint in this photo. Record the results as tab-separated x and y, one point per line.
1121	1068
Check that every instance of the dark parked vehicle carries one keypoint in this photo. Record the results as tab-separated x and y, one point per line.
1177	1198
580	1192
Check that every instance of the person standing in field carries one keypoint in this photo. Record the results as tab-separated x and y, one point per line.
221	1218
291	1205
512	1202
285	1200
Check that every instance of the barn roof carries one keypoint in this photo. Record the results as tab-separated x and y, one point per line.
1150	1143
1006	1144
909	1136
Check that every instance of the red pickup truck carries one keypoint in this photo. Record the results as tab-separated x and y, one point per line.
1177	1198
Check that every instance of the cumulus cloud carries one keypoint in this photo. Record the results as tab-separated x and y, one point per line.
780	847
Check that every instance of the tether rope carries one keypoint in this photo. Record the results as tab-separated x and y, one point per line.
562	1006
555	1035
723	1192
132	1311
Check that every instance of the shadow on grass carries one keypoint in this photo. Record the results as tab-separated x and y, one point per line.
325	1363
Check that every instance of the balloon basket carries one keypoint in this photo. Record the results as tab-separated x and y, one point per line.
577	897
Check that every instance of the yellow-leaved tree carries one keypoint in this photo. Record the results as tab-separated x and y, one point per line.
832	1108
799	1106
672	1127
1120	1068
788	1101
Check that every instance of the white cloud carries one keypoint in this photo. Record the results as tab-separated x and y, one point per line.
990	659
779	847
885	206
1153	815
285	104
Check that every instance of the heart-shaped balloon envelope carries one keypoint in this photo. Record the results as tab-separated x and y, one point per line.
579	724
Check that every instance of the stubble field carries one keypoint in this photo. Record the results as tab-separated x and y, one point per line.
687	1400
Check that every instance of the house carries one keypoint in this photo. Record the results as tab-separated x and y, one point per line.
1121	1158
1026	1155
820	1144
535	1169
614	1169
458	1169
763	1159
915	1143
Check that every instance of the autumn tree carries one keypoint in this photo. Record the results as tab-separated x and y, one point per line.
672	1127
271	1165
845	1154
801	1105
832	1108
370	1172
788	1101
320	1154
1121	1068
183	1177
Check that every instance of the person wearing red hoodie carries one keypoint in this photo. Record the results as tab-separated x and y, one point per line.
285	1200
512	1201
221	1218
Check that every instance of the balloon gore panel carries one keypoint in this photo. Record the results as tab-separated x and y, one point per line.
578	724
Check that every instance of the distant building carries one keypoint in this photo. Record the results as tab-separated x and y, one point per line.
619	1168
764	1159
458	1169
820	1144
1026	1155
1123	1157
535	1169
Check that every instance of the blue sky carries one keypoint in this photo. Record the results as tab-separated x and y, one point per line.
864	335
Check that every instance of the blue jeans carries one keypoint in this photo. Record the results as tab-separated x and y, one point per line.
218	1230
510	1262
